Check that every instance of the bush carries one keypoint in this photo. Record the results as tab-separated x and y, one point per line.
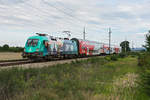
144	60
114	57
122	55
108	58
145	75
144	63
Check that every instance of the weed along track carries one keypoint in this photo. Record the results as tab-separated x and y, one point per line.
96	78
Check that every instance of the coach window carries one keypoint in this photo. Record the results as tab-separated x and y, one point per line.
83	48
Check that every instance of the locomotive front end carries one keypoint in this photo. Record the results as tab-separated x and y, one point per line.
34	47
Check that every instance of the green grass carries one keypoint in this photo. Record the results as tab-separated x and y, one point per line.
92	79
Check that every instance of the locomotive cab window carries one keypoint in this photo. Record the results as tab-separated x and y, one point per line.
45	42
32	42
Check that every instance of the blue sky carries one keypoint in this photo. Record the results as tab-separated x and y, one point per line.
128	19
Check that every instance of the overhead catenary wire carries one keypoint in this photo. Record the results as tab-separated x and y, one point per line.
71	17
68	21
45	12
68	14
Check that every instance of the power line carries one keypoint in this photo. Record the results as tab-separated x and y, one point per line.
63	6
68	21
63	11
70	10
68	14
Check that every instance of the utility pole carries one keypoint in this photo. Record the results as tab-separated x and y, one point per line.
132	45
109	39
125	45
84	33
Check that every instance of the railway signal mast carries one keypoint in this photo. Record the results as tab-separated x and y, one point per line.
110	40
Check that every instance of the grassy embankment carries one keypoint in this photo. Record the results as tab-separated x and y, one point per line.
92	79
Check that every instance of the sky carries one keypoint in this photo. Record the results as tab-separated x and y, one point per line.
128	19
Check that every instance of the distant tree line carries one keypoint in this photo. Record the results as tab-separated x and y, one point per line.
6	48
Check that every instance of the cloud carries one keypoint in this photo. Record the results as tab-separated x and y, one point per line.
126	18
10	2
142	34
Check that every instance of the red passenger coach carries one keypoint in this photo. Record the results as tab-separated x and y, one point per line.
86	47
117	50
106	49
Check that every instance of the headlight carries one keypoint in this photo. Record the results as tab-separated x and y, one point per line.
37	49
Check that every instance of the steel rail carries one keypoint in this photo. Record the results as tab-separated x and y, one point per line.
26	61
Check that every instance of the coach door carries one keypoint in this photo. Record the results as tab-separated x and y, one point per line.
87	51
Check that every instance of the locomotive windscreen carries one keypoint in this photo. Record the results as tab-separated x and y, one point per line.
77	41
32	42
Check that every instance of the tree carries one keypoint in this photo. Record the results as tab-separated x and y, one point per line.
147	45
125	46
6	46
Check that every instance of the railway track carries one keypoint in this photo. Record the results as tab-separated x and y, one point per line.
14	62
23	62
26	61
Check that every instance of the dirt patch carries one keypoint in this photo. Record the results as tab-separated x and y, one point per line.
10	56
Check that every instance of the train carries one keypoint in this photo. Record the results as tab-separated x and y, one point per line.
43	46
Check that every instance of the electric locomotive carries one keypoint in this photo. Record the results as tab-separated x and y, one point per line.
48	47
41	46
69	49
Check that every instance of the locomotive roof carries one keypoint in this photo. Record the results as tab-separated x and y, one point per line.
96	42
93	41
38	37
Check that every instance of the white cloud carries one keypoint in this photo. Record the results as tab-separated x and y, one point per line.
142	34
126	18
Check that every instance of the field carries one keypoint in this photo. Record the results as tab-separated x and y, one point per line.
10	56
91	79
